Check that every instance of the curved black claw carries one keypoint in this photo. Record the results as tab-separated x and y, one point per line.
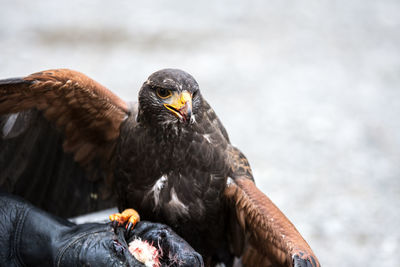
129	228
307	262
114	225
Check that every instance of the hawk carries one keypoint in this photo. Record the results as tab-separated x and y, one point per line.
71	146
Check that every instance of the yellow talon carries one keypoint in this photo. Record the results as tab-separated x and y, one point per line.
128	215
134	217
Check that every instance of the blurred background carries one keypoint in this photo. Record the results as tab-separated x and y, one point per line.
308	90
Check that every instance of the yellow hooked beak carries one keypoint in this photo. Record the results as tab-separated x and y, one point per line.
181	105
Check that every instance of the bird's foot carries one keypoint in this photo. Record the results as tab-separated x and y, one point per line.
301	259
129	217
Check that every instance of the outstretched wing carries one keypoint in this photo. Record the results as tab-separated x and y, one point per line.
58	130
89	115
273	239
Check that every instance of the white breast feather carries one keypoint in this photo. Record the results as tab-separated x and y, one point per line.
176	205
156	189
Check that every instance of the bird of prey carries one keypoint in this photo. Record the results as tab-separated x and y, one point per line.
71	146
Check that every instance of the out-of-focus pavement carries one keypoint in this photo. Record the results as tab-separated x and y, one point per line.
308	90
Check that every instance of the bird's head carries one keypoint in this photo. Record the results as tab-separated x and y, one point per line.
169	96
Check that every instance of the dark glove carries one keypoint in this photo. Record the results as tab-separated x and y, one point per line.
32	237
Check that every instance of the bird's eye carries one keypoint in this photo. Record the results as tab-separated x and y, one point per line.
163	93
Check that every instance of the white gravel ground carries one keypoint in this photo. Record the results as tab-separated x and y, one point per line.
309	90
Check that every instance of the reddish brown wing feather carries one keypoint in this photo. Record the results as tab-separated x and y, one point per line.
88	113
271	234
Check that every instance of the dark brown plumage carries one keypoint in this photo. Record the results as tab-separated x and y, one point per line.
168	156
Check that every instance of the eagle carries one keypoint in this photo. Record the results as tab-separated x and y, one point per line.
71	146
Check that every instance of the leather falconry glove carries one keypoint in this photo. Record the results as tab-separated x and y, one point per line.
32	237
